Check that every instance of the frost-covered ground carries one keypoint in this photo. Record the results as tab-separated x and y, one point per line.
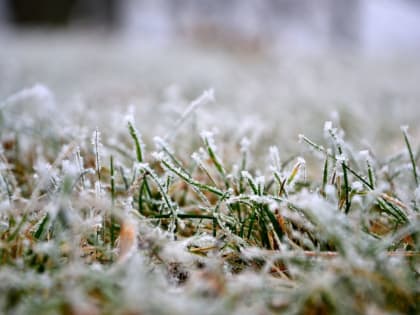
154	178
374	95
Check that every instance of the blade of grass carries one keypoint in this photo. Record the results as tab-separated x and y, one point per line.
324	176
134	135
112	225
404	130
187	178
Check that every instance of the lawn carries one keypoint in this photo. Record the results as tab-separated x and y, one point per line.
154	178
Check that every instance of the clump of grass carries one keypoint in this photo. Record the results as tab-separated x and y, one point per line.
205	234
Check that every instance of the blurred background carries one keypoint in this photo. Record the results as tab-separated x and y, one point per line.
280	67
366	25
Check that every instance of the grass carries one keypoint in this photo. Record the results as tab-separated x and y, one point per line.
203	228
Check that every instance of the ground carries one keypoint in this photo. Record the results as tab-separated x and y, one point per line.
165	178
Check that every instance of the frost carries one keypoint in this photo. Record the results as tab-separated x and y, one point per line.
204	240
275	163
341	158
357	200
279	245
261	199
208	137
365	155
206	97
328	126
260	180
79	160
181	223
38	91
273	206
52	210
4	208
160	143
298	171
44	247
70	168
158	156
357	186
301	137
246	174
97	145
196	157
252	252
301	161
323	213
129	116
96	267
404	128
245	143
178	252
330	191
98	190
3	166
45	171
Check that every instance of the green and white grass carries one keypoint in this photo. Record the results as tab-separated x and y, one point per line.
230	215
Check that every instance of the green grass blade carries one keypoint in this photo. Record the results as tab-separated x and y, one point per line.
410	152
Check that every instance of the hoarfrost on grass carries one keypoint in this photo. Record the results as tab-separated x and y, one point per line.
242	256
